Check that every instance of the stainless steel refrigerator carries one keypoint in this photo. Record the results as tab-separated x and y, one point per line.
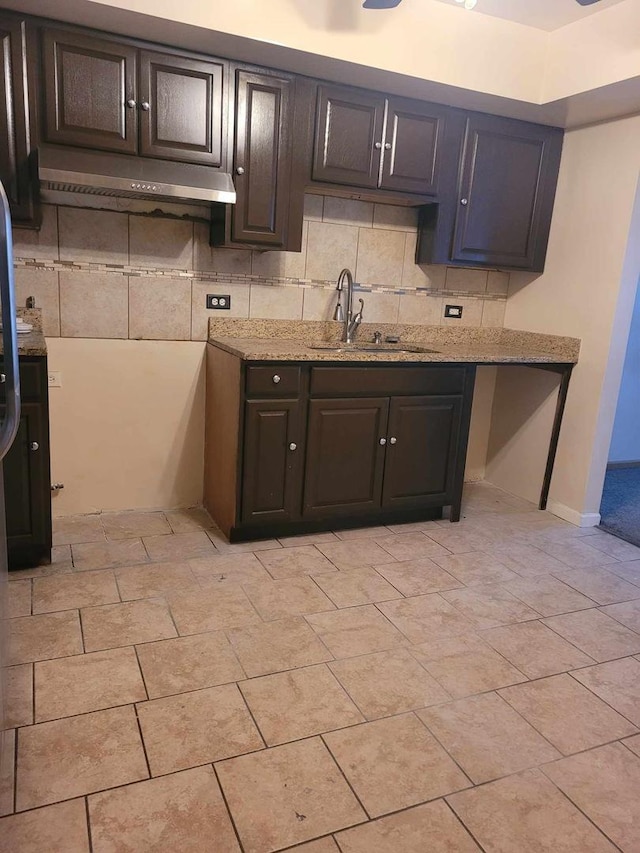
9	419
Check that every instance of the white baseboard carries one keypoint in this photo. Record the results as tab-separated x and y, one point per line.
580	519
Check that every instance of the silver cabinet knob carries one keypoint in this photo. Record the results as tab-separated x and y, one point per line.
378	145
34	446
131	104
276	379
240	170
293	446
3	378
382	441
464	202
146	106
393	440
387	146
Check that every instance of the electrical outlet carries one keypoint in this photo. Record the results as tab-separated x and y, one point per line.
221	303
54	379
453	311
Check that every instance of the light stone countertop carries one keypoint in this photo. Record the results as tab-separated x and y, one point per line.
288	340
33	342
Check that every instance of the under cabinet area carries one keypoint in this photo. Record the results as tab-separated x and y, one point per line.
299	447
26	471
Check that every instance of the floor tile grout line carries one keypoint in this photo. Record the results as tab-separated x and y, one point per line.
605	701
461	822
142	741
14	787
342	773
141	671
226	805
579	808
557	748
88	818
443	747
251	714
551	628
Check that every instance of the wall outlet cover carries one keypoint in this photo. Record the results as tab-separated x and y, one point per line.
54	379
453	311
219	302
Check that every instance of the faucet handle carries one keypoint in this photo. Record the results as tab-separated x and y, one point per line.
377	337
358	318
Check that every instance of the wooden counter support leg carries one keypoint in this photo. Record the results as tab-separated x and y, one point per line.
565	375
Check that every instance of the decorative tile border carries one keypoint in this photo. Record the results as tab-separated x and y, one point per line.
53	265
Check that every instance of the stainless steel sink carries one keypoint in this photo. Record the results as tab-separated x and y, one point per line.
381	349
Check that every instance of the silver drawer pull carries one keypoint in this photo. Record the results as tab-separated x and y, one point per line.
293	446
393	440
276	379
34	445
382	441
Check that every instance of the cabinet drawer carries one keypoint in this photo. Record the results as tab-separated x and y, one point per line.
30	381
276	381
365	381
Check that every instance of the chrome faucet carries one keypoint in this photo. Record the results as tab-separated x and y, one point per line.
347	317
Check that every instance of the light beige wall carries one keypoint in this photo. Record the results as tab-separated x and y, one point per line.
422	38
127	425
598	50
586	291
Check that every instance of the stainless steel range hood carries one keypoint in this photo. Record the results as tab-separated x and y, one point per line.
127	176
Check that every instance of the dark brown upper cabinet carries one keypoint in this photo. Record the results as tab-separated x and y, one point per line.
365	140
501	214
348	139
16	119
271	152
262	157
108	95
181	108
412	148
90	91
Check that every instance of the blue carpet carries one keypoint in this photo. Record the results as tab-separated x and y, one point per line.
620	508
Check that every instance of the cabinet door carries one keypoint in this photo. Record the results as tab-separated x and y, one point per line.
15	143
262	158
181	108
89	92
345	459
348	138
507	189
422	451
26	482
412	146
272	469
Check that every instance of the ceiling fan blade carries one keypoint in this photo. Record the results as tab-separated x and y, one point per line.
587	2
381	4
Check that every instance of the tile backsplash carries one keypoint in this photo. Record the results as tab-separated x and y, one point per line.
110	274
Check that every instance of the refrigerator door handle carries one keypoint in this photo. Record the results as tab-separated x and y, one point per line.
9	426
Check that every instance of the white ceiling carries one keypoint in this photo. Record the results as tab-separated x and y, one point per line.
543	14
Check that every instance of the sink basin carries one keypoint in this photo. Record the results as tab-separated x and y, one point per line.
377	348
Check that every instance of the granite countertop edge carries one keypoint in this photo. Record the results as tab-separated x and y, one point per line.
293	341
31	343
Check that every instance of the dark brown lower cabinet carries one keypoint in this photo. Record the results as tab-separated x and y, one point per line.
345	456
421	451
26	472
299	447
272	470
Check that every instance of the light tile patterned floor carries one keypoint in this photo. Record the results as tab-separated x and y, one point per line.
391	690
